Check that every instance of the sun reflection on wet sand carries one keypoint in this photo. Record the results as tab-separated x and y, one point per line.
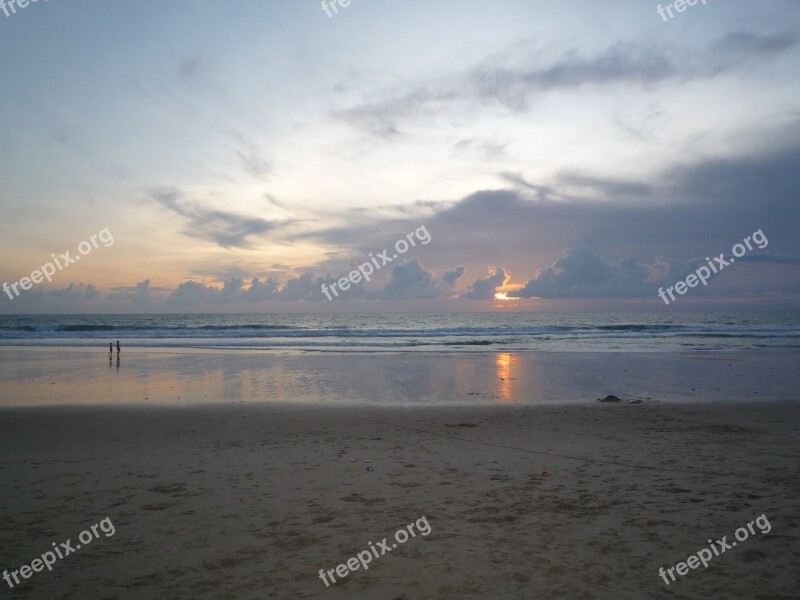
506	369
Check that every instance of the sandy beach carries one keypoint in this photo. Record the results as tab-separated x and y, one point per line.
352	300
251	501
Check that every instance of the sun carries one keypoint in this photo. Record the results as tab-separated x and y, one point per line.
501	296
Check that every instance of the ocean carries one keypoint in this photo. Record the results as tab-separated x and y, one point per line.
476	332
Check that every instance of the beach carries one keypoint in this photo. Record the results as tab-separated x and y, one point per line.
252	500
244	473
400	300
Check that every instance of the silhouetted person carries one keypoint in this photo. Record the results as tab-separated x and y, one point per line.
117	346
110	348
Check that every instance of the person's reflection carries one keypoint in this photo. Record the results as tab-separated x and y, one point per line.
117	361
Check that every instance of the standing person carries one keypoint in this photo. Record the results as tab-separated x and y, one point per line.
117	346
110	348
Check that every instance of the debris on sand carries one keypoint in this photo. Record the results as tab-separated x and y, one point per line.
609	398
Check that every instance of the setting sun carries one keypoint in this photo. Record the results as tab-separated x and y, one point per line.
500	296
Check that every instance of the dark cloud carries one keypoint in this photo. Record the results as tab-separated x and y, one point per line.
582	273
260	291
451	277
309	287
486	288
411	281
229	230
770	257
407	281
306	287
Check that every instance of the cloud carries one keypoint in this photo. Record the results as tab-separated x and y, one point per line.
607	188
309	287
141	294
411	281
746	45
619	63
486	288
770	257
543	192
250	157
486	150
582	273
694	209
509	81
260	291
306	287
451	277
229	230
71	298
195	74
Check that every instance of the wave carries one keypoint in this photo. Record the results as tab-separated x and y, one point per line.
79	328
90	328
638	327
300	331
456	333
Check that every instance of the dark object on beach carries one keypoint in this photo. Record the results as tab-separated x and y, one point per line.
609	398
117	345
461	425
401	597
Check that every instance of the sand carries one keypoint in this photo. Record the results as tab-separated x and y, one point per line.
250	501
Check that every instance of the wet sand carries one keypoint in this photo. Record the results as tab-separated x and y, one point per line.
58	376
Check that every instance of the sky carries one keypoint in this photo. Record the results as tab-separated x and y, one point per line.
242	154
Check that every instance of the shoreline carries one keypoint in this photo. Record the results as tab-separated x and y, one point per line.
36	376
